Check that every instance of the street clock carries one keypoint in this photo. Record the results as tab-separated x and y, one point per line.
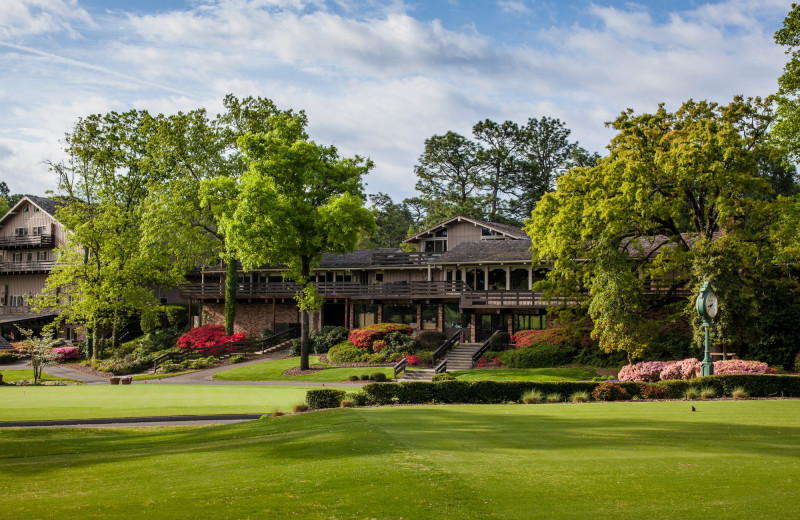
707	303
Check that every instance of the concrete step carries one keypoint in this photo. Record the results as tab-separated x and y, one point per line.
420	374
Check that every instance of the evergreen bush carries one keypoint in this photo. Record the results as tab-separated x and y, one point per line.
324	398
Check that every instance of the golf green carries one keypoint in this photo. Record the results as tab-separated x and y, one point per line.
727	460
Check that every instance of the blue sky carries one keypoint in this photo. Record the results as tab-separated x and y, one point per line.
376	78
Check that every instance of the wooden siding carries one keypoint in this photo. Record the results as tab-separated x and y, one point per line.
20	285
33	219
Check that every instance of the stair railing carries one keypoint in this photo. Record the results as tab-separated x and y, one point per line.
478	353
445	346
400	366
441	367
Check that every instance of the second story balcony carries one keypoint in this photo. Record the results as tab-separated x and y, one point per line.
35	267
355	290
27	242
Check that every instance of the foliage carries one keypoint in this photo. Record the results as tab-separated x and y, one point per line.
413	359
527	338
581	396
554	397
392	222
489	362
378	377
738	366
609	392
346	352
797	362
40	350
324	398
209	340
655	392
366	336
66	353
644	371
739	393
501	339
442	376
238	358
320	341
539	355
161	317
8	357
532	397
687	369
430	339
707	392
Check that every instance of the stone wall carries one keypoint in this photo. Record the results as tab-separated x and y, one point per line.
251	318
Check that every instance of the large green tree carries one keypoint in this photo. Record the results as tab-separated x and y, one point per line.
677	191
296	201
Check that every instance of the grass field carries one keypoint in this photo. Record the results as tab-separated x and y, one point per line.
273	370
728	460
96	401
20	375
525	374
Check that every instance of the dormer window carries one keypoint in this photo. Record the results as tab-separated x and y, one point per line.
442	233
26	208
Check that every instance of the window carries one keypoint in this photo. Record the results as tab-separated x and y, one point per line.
41	256
17	301
29	257
26	208
436	246
442	233
35	209
378	277
17	257
430	317
528	322
39	230
20	232
453	319
364	315
406	314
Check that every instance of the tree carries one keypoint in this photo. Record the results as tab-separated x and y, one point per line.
4	206
545	151
296	201
183	223
40	350
787	127
498	161
676	191
392	220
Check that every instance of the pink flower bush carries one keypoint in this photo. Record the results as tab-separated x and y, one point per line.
66	353
686	369
644	371
739	366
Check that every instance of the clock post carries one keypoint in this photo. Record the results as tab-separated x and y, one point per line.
707	306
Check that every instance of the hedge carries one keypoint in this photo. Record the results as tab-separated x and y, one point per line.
324	398
496	392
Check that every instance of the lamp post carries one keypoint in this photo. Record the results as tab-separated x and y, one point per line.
707	306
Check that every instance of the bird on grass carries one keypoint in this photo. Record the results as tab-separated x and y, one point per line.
693	408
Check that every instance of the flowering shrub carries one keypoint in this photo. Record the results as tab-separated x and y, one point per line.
526	338
66	353
645	371
485	362
379	345
366	336
738	366
609	392
210	340
411	359
686	369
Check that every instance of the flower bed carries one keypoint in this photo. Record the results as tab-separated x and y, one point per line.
66	353
365	337
652	371
210	340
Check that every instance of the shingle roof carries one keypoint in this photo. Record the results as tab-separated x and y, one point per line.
488	251
355	260
46	204
506	229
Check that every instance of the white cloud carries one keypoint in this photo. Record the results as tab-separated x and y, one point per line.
31	17
513	7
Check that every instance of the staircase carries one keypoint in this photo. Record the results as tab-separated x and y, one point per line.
460	358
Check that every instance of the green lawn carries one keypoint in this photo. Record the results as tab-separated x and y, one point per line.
728	460
525	374
95	401
148	377
273	370
20	375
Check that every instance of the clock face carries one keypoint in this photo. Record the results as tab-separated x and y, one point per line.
712	305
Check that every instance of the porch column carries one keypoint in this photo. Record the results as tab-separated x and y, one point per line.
530	277
464	275
473	326
485	278
380	313
429	272
508	278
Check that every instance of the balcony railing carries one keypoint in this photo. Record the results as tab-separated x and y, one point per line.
28	241
403	259
343	289
21	309
480	299
41	266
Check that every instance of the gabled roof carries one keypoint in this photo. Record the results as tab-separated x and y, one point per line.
45	204
355	260
504	229
488	251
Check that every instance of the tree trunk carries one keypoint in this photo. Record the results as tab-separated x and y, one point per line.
231	280
305	271
115	330
95	341
90	341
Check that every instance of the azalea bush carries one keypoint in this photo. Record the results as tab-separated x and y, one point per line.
412	359
644	371
739	366
66	353
365	337
686	369
210	340
527	338
489	362
652	371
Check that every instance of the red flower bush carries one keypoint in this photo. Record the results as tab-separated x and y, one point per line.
485	362
66	353
411	359
527	338
210	340
609	392
365	337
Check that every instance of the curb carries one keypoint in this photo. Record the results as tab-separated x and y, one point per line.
121	420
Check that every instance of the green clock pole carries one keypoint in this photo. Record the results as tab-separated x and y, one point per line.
707	366
707	307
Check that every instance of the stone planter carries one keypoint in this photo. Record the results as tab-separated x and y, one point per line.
114	380
125	380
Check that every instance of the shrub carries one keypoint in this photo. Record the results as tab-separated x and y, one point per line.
266	333
739	393
707	392
486	362
379	345
277	413
691	394
209	340
528	338
346	403
655	392
686	369
66	353
739	366
360	399
500	341
797	362
379	377
353	378
430	339
169	367
413	359
609	392
580	396
365	377
324	398
401	342
346	352
7	357
238	358
366	336
537	356
443	376
203	363
300	408
553	398
532	397
163	317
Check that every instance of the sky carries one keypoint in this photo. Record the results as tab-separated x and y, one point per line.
376	78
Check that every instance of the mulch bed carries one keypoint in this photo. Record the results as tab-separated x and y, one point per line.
297	372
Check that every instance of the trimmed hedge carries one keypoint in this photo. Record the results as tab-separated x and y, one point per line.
324	398
497	392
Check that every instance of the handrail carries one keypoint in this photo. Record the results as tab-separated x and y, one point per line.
447	344
400	366
441	367
478	353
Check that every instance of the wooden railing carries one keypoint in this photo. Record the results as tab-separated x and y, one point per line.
18	309
399	367
445	346
441	367
27	241
484	347
421	289
400	259
27	267
474	299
